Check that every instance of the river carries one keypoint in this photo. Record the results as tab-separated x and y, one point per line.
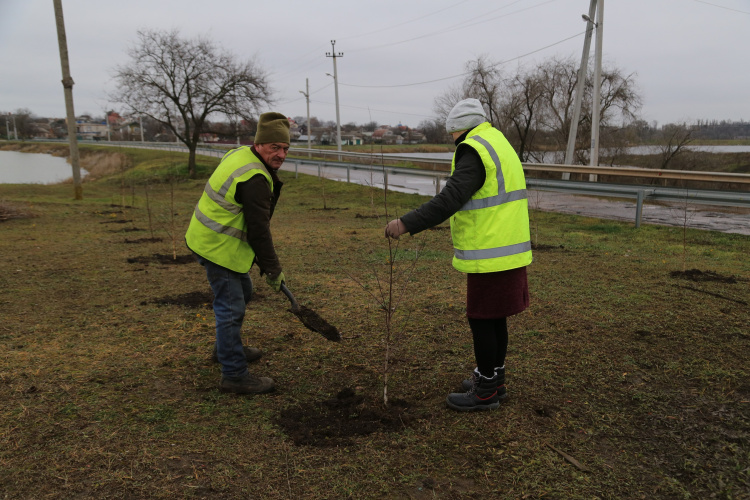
33	168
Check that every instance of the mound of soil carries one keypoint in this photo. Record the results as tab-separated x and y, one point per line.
541	247
697	275
144	240
192	299
163	259
336	421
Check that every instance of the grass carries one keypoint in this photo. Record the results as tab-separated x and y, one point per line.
639	376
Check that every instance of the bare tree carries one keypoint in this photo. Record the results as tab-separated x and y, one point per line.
179	82
523	111
534	107
674	141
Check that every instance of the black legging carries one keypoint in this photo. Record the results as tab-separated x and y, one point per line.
490	343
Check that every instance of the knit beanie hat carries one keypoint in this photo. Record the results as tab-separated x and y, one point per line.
465	115
272	127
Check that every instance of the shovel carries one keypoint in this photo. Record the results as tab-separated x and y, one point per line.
310	318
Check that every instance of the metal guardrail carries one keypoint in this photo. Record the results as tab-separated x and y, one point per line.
631	191
634	191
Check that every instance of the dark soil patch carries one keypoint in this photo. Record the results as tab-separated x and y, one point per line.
12	211
162	259
541	247
337	421
118	221
144	240
697	275
194	300
712	294
440	228
331	208
360	216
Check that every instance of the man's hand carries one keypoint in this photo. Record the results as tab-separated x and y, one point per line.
394	229
275	283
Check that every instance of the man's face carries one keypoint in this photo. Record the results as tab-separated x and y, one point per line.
273	153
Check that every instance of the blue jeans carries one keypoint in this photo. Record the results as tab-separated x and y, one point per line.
232	292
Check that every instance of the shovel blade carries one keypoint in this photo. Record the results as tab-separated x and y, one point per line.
315	323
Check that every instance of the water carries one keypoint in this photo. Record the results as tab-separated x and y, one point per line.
28	168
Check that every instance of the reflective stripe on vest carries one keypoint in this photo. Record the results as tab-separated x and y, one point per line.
219	228
492	253
220	197
502	196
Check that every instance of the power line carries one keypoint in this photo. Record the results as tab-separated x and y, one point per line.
458	26
722	7
466	72
404	23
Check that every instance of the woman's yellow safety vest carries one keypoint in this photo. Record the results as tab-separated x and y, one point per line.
217	228
491	231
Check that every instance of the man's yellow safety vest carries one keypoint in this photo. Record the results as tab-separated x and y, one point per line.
491	231
217	228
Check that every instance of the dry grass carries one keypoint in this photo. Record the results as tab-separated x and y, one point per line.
637	375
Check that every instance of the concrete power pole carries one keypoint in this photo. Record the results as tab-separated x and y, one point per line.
306	93
597	90
334	55
582	71
67	83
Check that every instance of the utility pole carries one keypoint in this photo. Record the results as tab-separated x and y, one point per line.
334	55
597	90
67	83
7	127
15	130
582	71
307	97
140	125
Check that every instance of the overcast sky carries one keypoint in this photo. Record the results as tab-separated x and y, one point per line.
691	57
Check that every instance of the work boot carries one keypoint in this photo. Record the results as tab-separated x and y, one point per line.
251	354
481	396
249	384
502	391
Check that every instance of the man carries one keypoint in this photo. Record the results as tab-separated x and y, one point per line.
229	232
485	198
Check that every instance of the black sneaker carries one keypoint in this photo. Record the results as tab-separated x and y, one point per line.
251	354
502	391
249	384
481	396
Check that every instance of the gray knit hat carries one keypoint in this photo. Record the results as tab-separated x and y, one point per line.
465	115
272	127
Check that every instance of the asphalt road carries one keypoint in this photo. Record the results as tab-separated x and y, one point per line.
696	216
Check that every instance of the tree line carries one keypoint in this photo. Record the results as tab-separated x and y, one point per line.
176	84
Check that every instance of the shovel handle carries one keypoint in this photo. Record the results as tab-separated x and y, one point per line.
295	305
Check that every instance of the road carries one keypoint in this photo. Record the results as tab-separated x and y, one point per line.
712	218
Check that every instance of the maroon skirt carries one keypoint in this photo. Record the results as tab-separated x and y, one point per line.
496	295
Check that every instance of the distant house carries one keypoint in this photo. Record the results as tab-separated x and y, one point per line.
302	139
89	129
351	140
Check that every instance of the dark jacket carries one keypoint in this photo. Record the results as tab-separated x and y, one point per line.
467	178
258	203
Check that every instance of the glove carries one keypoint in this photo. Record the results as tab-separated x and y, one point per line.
276	282
395	228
